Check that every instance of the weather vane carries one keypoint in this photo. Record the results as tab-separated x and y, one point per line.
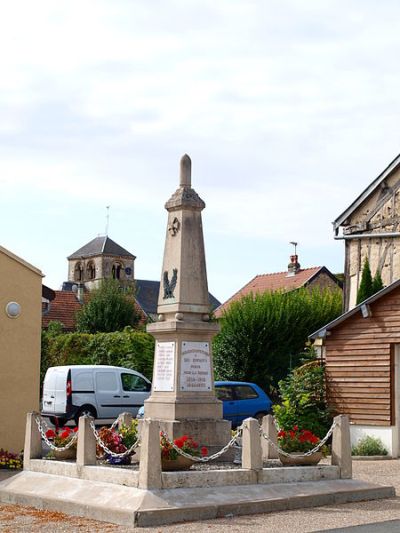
107	218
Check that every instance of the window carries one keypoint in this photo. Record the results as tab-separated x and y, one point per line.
91	270
116	271
224	393
78	274
245	392
132	383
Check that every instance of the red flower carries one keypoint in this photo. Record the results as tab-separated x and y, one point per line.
282	433
75	430
50	434
203	451
65	434
295	428
179	442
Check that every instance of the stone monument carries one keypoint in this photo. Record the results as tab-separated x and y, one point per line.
183	396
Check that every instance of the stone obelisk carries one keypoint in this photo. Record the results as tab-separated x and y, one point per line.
183	396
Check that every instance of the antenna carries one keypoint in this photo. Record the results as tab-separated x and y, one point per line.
107	219
295	245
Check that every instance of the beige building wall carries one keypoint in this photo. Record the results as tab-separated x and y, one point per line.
379	213
19	347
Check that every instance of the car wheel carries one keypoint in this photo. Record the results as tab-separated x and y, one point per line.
87	410
259	417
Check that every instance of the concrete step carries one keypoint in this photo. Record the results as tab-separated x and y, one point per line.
131	506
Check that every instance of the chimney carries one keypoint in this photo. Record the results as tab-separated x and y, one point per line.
293	266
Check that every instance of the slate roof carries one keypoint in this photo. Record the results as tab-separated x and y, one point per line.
63	309
147	296
275	282
101	245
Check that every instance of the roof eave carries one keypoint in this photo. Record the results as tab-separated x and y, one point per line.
364	195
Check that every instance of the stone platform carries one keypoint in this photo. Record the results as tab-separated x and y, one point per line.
84	494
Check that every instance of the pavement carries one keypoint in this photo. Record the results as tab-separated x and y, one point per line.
359	517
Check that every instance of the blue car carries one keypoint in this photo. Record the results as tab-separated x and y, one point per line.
240	400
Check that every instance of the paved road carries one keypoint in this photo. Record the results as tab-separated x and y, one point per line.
383	514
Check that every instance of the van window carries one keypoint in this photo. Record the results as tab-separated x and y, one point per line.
83	381
106	381
131	383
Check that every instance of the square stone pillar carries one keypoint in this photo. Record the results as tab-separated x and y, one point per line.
86	447
269	429
341	446
150	475
251	445
33	440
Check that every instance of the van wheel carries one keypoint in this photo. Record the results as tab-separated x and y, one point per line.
57	421
85	410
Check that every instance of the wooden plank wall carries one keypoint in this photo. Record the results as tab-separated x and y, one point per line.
360	363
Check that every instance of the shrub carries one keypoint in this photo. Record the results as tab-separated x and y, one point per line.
369	446
263	335
127	348
12	461
303	400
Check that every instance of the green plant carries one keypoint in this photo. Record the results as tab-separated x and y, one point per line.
377	283
108	309
263	335
369	446
303	400
129	434
365	290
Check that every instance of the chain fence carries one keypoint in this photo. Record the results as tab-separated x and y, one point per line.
107	450
43	427
305	454
206	459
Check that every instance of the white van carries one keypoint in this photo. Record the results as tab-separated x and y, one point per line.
98	390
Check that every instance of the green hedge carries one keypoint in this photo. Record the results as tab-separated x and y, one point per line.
128	348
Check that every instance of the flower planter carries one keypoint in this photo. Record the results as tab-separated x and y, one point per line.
181	463
65	455
298	459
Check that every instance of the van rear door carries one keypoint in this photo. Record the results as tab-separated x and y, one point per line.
54	391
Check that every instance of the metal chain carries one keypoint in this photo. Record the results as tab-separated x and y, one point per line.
305	454
107	450
115	423
208	457
48	442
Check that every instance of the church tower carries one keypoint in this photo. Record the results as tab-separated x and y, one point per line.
100	259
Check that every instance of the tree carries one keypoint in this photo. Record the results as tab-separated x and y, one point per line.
365	290
263	336
107	310
377	283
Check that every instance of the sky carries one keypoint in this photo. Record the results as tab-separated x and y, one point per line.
287	108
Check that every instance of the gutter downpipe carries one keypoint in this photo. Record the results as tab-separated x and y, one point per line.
367	236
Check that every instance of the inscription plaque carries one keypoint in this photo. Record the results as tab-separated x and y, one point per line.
195	367
164	366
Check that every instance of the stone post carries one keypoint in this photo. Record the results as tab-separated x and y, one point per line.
150	475
251	445
86	447
268	427
341	446
33	440
125	419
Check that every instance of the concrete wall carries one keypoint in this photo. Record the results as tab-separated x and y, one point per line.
19	347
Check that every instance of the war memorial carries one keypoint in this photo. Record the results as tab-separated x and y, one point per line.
183	402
